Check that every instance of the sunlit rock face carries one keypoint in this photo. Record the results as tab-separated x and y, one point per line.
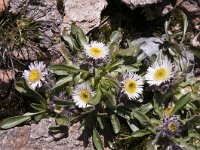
39	10
86	14
3	4
135	3
37	136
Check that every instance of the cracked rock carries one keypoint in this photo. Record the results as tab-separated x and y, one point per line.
36	136
86	14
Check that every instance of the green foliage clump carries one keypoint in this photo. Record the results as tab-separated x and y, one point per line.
118	91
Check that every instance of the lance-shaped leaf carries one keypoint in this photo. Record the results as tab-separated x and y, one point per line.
97	140
61	69
38	107
133	127
101	122
157	109
115	37
143	119
145	108
123	113
114	64
67	38
79	35
62	81
141	133
181	103
185	24
24	88
141	57
115	123
111	100
14	121
62	102
97	98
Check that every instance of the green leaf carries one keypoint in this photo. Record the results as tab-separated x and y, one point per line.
58	129
111	101
115	37
141	133
157	109
38	107
38	117
181	103
123	113
62	102
97	98
133	127
115	123
97	140
128	51
145	108
14	121
114	64
62	120
143	119
141	57
79	35
101	123
62	81
185	24
33	114
61	69
124	68
24	88
168	34
67	38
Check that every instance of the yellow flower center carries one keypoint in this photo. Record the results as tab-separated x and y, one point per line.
34	75
130	86
95	52
172	127
85	95
161	74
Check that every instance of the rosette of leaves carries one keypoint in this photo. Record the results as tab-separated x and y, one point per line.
105	109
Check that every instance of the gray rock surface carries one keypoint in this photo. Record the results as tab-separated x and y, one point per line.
39	10
85	13
37	137
135	3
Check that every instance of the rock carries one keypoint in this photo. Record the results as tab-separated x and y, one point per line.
196	41
42	11
26	53
86	13
55	52
6	77
135	3
149	45
3	4
36	136
46	13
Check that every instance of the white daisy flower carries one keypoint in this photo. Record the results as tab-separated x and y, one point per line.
96	50
36	73
132	85
160	72
82	94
